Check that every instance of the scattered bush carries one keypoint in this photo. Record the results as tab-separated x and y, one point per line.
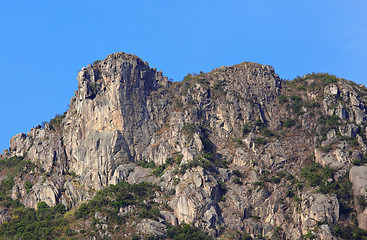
349	232
152	213
237	173
282	98
186	231
55	123
362	202
289	123
145	164
260	141
247	128
237	180
96	62
188	77
188	129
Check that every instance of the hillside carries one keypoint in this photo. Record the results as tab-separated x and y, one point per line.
236	153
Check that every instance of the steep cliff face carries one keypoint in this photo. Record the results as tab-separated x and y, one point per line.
235	150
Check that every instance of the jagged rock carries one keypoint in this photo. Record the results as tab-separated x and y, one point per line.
169	217
125	112
327	159
325	233
318	208
139	175
127	210
5	215
196	198
122	173
331	89
358	177
350	130
19	144
151	227
361	143
100	217
47	191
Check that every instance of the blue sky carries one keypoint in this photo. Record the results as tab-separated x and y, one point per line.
45	43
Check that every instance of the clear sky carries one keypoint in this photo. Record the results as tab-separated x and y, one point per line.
45	43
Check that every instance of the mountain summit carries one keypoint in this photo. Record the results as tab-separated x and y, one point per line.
237	152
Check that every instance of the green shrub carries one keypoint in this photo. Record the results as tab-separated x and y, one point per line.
82	211
282	98
152	213
237	173
188	129
260	141
43	223
55	123
267	132
277	234
188	77
28	185
275	179
289	193
159	170
96	62
308	235
259	123
289	123
237	180
145	164
219	86
259	183
186	231
247	128
349	232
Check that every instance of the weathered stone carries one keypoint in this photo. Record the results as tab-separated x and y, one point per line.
169	217
327	159
350	130
5	215
358	177
125	112
151	227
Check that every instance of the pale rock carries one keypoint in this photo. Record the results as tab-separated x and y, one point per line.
151	227
361	143
126	211
331	89
318	208
325	233
5	215
358	177
362	219
139	175
100	217
197	191
122	173
327	159
341	113
169	217
19	145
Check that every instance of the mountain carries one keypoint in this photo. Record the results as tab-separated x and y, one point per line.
236	153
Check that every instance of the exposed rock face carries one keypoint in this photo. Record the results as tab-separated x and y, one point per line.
196	198
113	117
230	145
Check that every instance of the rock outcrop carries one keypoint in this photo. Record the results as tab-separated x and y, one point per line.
229	149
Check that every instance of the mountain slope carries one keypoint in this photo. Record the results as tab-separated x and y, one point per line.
237	151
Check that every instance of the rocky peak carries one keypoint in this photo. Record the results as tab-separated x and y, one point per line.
119	69
235	150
